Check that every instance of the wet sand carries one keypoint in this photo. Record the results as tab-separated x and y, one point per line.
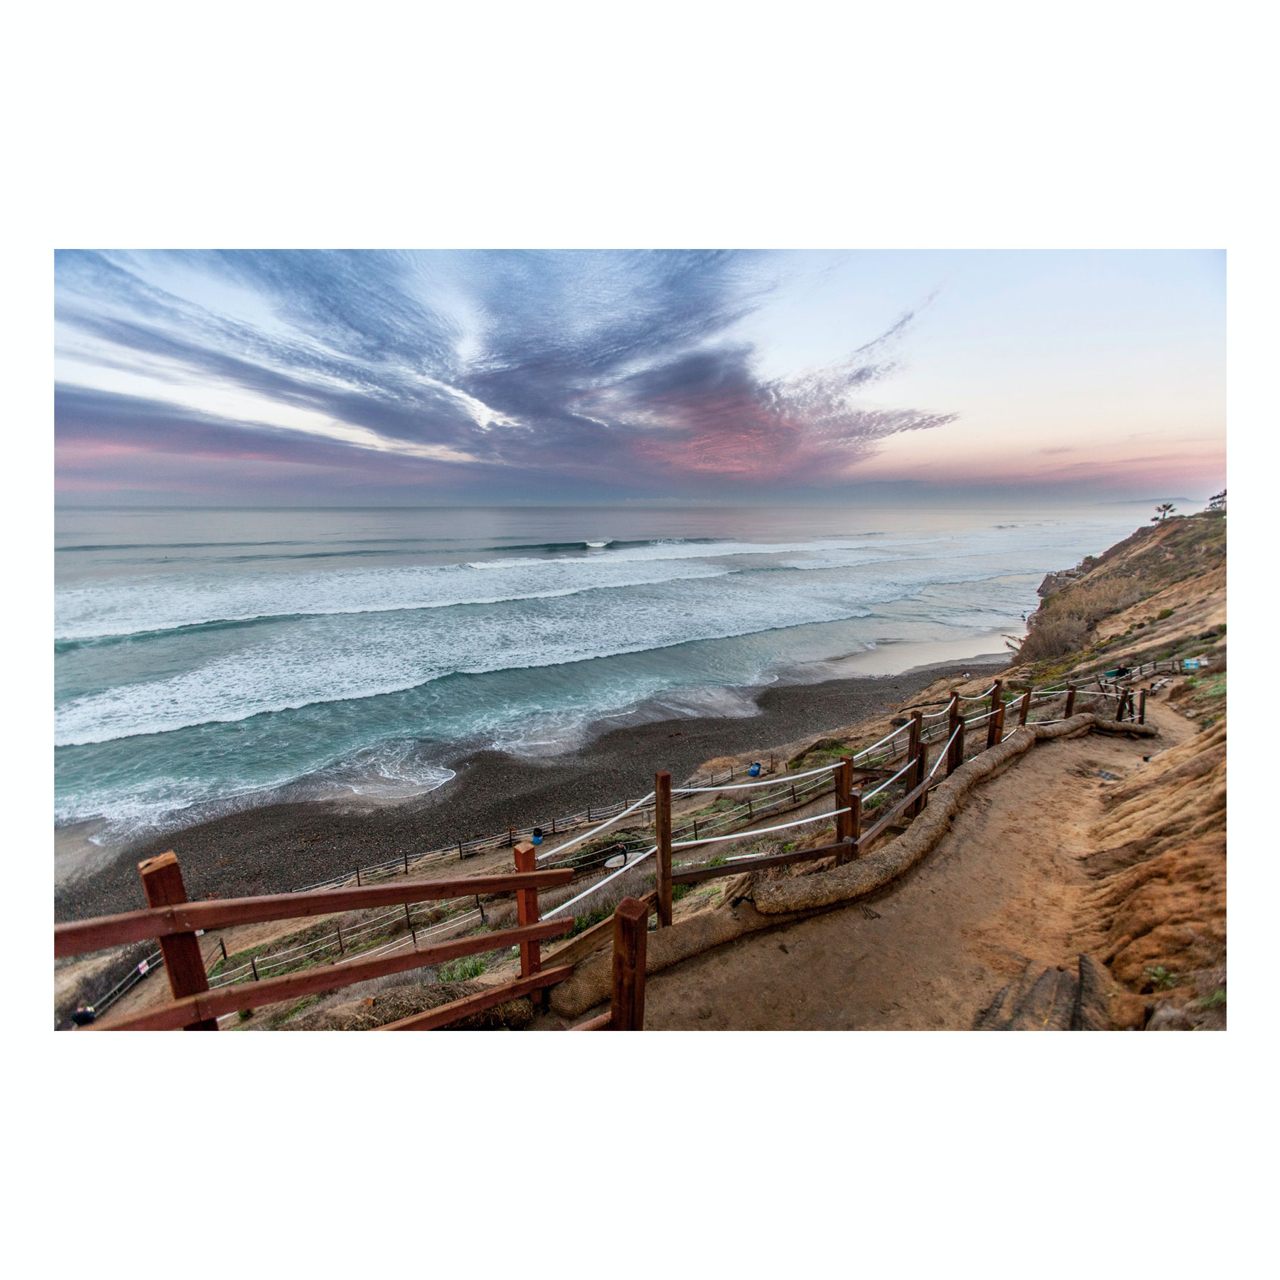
280	847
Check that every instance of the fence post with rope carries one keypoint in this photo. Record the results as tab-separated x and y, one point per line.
845	833
955	734
1025	709
995	723
917	779
1069	709
662	837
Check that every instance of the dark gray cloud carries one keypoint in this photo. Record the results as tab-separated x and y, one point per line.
494	369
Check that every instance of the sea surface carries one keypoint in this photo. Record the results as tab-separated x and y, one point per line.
213	659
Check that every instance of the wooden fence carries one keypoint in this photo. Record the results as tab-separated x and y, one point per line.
177	922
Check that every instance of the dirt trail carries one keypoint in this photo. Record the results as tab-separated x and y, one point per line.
1000	890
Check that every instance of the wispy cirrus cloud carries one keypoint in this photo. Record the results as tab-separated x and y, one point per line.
483	373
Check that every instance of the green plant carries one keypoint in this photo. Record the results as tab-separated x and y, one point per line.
718	861
1160	977
583	922
461	970
1163	614
1213	1001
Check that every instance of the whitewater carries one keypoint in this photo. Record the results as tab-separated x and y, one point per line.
210	659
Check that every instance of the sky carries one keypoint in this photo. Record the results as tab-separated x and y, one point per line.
381	377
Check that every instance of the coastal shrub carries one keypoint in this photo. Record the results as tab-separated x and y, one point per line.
583	922
461	970
1163	614
1160	978
1051	637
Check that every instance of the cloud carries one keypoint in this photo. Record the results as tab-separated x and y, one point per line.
565	372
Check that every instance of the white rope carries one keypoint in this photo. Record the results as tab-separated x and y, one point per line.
759	831
599	884
866	751
586	835
785	780
979	719
942	755
888	782
934	715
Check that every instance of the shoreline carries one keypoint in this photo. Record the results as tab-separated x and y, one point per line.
275	848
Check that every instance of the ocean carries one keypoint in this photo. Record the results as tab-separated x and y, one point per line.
212	659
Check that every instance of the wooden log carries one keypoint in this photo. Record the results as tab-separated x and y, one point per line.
527	909
844	800
329	977
662	837
456	1010
630	941
162	884
79	936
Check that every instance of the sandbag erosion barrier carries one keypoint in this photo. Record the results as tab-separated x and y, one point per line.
766	904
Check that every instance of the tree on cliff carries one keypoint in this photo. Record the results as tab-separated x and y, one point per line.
1163	511
1218	502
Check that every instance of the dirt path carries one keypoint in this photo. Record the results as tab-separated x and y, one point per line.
932	950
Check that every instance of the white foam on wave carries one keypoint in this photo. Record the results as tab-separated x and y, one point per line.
323	659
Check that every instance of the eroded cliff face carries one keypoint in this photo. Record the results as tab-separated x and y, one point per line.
1157	913
1159	592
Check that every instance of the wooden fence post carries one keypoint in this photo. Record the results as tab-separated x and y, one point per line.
1142	706
855	820
995	720
913	734
662	838
1069	710
162	883
1025	709
1122	697
955	733
630	939
918	775
527	910
844	800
